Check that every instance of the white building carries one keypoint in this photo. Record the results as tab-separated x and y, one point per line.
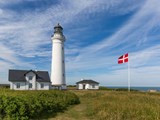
29	80
87	85
58	62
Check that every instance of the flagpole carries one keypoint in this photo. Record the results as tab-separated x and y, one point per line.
129	76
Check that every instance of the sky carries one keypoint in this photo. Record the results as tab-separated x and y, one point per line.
97	33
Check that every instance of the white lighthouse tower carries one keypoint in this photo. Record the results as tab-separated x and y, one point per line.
58	64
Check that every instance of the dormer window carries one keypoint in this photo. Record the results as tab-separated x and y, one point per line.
30	77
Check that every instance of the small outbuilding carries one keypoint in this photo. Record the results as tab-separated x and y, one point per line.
87	85
29	80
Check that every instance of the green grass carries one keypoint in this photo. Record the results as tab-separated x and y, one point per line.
114	105
94	105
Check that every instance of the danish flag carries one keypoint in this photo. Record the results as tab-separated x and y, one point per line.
123	59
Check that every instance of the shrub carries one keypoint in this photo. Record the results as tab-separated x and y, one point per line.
24	105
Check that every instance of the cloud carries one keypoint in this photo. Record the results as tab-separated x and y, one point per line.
129	35
143	76
5	2
138	36
25	35
146	57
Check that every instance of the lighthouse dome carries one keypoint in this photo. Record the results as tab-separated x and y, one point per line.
58	29
58	26
58	33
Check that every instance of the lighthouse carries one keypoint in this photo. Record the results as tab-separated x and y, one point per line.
58	63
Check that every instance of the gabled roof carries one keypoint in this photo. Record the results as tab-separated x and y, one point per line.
30	71
19	75
88	81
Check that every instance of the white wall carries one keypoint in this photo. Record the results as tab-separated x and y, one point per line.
79	86
14	86
24	86
88	86
11	86
46	86
96	86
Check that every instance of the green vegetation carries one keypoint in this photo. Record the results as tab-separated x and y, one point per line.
113	105
71	87
95	105
115	89
23	105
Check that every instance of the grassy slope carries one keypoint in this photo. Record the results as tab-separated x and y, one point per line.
113	105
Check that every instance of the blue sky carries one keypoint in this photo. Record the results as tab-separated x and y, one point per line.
97	33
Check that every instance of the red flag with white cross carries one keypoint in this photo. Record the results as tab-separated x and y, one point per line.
123	59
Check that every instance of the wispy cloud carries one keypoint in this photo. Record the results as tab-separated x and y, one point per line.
128	36
28	31
133	37
25	35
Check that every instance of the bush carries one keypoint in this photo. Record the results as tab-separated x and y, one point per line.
105	88
24	105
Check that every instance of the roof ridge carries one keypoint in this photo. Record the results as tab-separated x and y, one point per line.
87	81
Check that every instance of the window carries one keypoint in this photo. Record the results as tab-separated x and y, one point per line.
18	85
93	86
42	85
30	77
30	85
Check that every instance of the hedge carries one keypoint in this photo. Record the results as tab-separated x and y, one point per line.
24	105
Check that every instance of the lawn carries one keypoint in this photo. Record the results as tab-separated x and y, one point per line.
113	105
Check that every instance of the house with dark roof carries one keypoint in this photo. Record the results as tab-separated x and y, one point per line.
87	85
29	80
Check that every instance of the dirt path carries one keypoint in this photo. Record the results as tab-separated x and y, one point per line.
76	112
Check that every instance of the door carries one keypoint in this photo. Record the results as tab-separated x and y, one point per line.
84	86
30	86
